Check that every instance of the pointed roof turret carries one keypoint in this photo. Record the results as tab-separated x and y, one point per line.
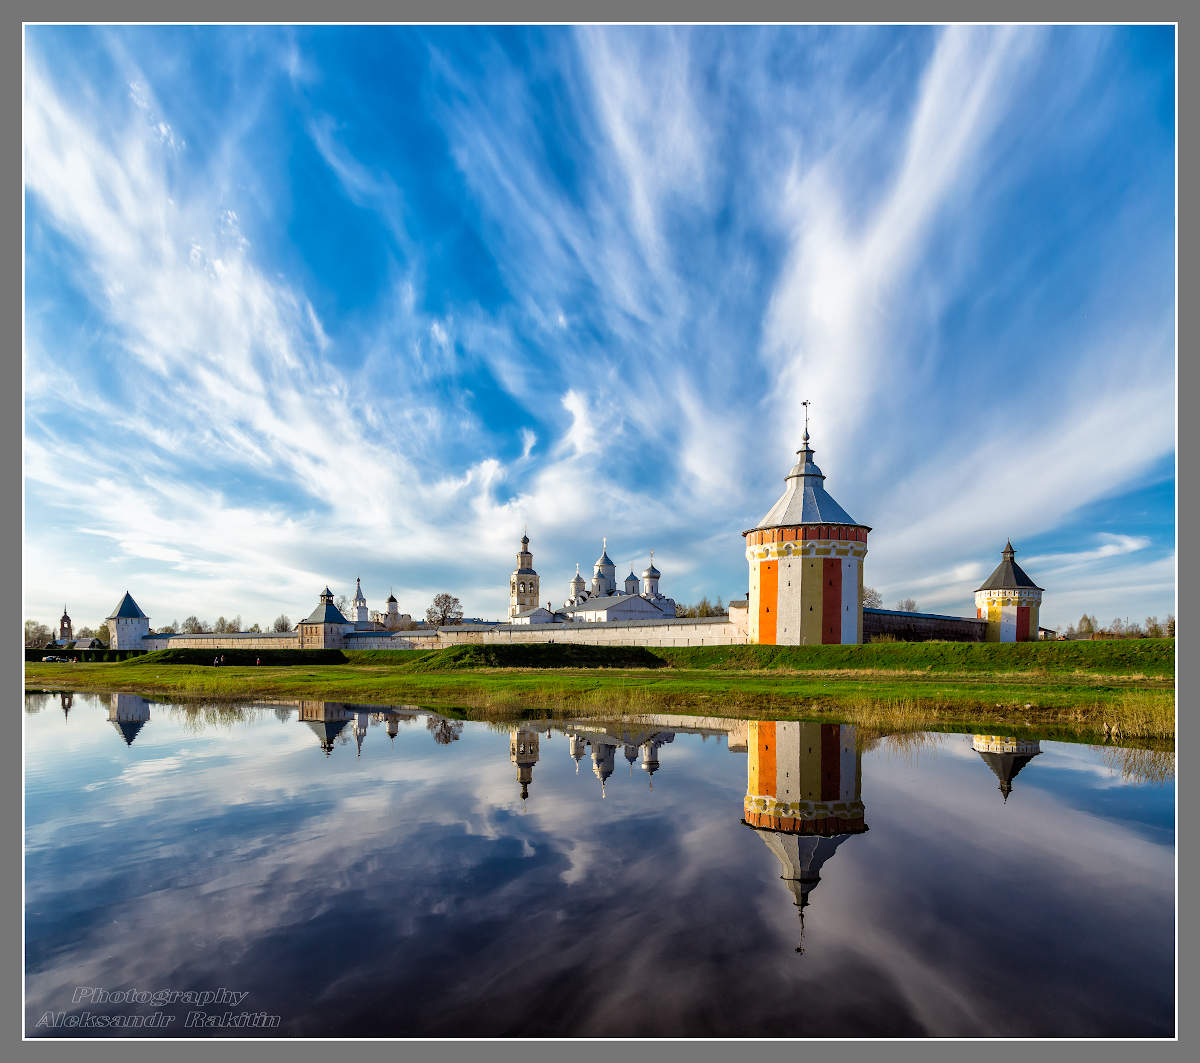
805	500
127	609
358	594
326	612
392	598
1008	574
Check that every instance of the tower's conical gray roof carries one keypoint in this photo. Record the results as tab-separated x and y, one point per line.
805	500
126	609
1008	575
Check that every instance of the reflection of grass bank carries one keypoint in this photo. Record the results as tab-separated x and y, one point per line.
1105	701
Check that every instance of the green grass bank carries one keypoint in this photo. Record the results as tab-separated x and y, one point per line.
1086	688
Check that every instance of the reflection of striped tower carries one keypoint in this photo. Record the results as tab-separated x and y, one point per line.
1009	601
806	557
803	778
803	798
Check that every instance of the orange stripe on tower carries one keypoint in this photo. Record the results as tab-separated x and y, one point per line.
768	601
766	759
831	600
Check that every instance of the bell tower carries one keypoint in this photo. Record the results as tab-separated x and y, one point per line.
523	586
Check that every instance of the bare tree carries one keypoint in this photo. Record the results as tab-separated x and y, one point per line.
446	609
282	623
906	605
444	731
36	633
872	599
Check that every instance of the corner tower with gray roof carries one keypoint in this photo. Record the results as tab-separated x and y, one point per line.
1009	601
806	558
325	627
127	625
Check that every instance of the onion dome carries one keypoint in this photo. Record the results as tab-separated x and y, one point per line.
805	500
604	559
651	572
1008	575
64	618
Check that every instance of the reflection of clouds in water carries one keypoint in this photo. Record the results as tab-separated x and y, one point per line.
645	913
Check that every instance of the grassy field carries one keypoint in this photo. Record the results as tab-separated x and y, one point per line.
1124	688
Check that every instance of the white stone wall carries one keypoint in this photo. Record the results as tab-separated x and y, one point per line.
219	642
682	632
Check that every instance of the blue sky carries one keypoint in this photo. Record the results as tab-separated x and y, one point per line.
306	304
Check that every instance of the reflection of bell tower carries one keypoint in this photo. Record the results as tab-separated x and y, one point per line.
361	721
803	797
523	752
66	700
1005	756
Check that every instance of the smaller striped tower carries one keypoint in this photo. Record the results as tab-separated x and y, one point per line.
806	558
1009	601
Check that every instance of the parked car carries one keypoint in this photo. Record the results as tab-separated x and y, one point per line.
55	660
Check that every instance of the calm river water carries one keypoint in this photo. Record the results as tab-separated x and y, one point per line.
320	869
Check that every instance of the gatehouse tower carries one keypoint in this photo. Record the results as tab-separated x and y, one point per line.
524	587
806	559
1009	601
127	625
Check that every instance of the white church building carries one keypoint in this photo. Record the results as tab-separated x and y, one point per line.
601	601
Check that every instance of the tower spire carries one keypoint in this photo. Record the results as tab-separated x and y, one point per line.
805	404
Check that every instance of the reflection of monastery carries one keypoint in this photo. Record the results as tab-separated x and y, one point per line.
805	567
803	779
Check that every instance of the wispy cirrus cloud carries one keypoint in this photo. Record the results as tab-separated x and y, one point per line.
607	265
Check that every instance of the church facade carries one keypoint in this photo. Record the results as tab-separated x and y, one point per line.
602	601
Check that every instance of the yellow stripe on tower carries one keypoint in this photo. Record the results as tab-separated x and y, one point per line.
810	602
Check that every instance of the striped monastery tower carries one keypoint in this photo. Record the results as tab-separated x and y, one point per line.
1009	601
806	557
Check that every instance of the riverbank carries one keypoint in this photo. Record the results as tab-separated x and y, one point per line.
1087	689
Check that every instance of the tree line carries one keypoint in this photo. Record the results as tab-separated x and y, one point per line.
1117	628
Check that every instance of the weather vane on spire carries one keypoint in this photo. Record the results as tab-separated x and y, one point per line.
805	405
